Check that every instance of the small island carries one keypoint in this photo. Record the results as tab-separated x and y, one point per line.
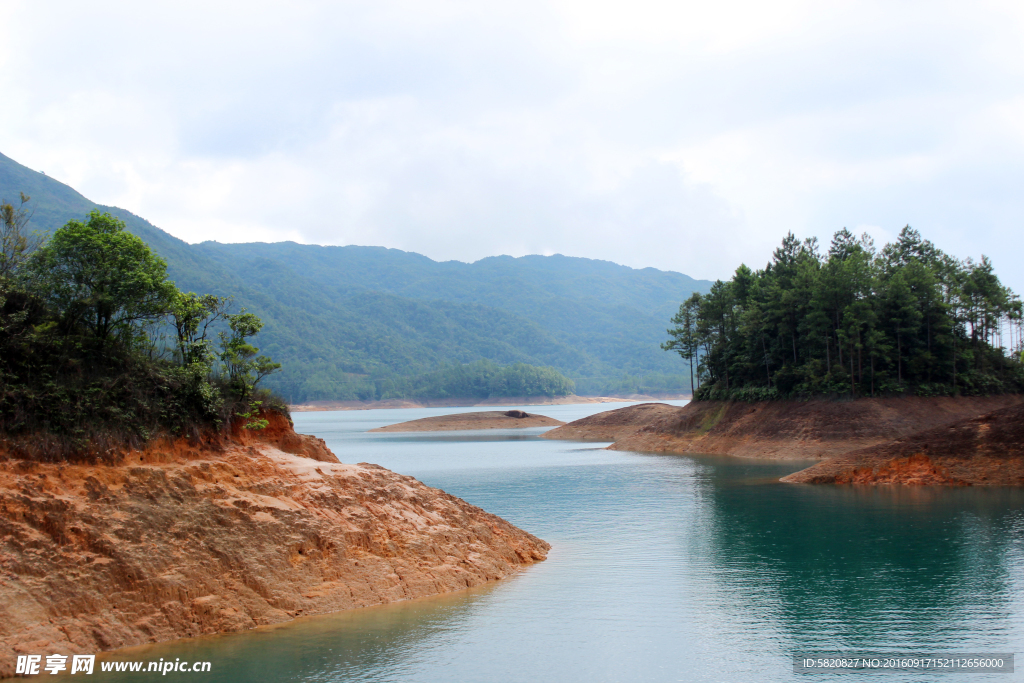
488	419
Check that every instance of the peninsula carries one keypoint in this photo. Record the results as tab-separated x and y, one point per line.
185	539
966	441
150	489
865	353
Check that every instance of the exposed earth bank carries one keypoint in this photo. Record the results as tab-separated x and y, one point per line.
488	419
800	429
184	540
612	425
981	451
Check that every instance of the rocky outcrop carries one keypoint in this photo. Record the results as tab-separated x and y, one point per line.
801	429
613	425
981	451
280	433
488	419
184	540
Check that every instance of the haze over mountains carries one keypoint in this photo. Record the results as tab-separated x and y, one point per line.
343	319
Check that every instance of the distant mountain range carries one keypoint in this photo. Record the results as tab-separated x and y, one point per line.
342	318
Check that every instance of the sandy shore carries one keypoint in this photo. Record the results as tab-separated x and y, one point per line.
491	419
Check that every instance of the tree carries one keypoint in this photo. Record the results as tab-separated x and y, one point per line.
101	278
684	334
192	315
244	367
15	244
854	320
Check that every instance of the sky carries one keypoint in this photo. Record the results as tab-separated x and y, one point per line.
686	136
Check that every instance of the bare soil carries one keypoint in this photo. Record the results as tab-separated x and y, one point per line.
490	419
612	424
982	451
184	539
801	429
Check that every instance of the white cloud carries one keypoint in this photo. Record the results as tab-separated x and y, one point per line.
684	135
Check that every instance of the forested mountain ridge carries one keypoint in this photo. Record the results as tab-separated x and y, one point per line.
905	319
345	320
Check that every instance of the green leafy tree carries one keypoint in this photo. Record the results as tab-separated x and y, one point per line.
79	374
684	333
193	315
101	278
244	367
16	244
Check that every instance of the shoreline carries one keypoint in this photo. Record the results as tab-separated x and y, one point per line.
181	540
793	429
485	419
987	450
400	403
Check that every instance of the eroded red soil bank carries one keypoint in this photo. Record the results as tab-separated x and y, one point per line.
987	450
800	429
184	540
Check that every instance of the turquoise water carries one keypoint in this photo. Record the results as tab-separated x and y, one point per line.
663	568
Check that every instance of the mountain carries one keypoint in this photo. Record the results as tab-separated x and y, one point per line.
341	318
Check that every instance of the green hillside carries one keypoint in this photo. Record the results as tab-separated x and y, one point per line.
343	320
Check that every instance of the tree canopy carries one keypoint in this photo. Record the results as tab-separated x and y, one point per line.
96	275
99	349
856	320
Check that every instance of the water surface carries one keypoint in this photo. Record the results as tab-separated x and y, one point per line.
663	568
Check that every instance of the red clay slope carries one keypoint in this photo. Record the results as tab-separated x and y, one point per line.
981	451
183	540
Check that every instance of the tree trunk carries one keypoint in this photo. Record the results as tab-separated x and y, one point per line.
767	371
928	325
852	390
899	359
954	360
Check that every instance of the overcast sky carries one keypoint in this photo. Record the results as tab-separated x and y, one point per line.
687	136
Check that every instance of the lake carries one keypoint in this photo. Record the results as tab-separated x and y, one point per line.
662	568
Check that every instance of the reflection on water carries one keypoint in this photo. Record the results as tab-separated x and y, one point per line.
482	436
867	567
347	646
663	568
